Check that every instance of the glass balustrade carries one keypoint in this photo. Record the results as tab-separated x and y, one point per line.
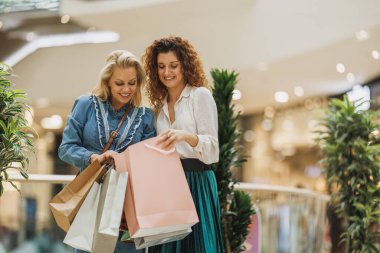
288	220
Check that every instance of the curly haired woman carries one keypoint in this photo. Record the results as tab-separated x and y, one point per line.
186	118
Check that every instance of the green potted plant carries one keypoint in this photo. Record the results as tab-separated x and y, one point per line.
350	156
15	135
236	206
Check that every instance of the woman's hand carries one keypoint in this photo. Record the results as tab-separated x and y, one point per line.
170	137
103	157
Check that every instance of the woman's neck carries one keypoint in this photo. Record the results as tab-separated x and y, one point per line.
175	92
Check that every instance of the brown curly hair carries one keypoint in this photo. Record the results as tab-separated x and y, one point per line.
191	64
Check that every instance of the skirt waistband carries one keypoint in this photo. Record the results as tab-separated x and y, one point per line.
193	164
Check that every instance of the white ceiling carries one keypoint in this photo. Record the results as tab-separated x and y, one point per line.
300	42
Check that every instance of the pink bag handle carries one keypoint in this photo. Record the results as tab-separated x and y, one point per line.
162	151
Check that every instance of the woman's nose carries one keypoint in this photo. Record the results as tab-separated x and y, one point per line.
126	88
166	70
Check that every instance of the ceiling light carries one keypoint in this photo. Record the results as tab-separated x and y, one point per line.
281	96
236	94
309	105
350	77
298	91
340	68
30	36
53	122
267	124
362	35
60	40
249	136
375	54
269	112
65	19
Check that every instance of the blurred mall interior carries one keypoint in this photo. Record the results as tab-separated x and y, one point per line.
292	57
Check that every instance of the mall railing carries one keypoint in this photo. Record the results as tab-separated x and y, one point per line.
288	220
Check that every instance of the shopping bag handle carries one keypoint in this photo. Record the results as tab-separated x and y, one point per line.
162	151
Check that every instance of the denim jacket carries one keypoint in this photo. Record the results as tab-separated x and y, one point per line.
90	124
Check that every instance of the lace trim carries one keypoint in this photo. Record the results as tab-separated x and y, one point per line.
95	101
137	125
103	125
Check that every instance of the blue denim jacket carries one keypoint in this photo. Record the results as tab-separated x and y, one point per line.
90	124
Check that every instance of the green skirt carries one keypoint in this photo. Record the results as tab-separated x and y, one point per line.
207	234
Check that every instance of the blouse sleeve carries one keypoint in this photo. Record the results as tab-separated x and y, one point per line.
149	130
71	149
206	118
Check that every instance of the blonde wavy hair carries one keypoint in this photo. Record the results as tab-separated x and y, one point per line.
122	59
191	65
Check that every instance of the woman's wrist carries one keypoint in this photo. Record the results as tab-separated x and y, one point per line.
93	157
192	139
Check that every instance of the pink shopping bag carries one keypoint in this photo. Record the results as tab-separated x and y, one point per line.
158	198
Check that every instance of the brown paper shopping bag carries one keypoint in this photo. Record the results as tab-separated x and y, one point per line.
158	198
67	202
81	232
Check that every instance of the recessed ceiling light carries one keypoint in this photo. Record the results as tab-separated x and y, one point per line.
30	36
362	35
269	112
375	54
236	94
340	68
281	96
298	91
267	124
52	122
65	19
249	136
350	77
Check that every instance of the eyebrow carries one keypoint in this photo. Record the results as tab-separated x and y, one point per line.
133	79
169	62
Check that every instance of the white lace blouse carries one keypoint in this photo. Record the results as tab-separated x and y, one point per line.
195	112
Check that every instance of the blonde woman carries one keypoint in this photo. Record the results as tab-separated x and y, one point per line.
94	117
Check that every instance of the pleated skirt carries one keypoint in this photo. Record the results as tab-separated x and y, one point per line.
206	236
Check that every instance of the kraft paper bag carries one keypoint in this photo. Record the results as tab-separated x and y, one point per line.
158	198
149	241
67	202
110	210
81	232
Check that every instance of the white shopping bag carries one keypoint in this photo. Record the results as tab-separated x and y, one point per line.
149	241
81	231
110	210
